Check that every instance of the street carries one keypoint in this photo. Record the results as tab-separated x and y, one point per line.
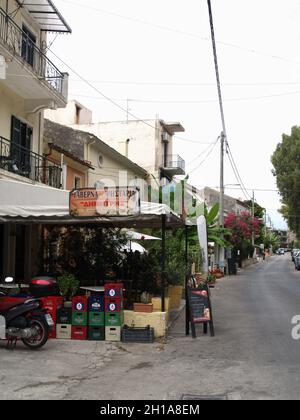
253	355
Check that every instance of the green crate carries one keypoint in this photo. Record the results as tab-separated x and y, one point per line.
79	319
96	333
114	319
96	319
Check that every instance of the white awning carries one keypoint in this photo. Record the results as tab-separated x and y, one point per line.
18	199
46	14
27	203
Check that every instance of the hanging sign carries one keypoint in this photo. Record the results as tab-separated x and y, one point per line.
114	201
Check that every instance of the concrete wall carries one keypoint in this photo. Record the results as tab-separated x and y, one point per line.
69	115
141	146
111	171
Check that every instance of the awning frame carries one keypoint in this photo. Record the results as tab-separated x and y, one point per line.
59	24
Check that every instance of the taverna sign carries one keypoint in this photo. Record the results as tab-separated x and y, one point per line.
105	202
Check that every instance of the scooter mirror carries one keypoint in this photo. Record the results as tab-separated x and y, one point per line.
9	280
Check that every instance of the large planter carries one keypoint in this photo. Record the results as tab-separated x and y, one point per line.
175	295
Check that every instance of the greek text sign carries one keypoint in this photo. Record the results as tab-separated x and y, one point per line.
92	202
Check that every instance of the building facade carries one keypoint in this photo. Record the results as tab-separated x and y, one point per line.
147	143
29	84
104	165
231	205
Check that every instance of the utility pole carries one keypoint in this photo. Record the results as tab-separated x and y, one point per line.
222	191
224	133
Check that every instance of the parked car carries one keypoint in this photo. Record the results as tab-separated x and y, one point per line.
297	261
294	253
280	251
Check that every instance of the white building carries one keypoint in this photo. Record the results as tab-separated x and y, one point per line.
147	143
29	84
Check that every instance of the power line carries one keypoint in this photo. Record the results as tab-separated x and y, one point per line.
188	84
178	31
102	94
211	149
204	151
190	101
236	172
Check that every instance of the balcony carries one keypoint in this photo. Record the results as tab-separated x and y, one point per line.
173	165
29	60
21	161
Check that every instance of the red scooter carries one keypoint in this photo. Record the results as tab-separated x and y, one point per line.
24	320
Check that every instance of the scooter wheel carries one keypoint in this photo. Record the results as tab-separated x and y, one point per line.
41	339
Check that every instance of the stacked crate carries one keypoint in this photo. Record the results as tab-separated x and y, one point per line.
96	321
52	304
114	314
64	323
79	318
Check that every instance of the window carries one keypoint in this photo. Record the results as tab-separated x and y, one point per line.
21	135
77	182
77	116
28	45
100	161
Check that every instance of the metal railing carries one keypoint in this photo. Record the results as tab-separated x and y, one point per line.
21	44
21	161
174	162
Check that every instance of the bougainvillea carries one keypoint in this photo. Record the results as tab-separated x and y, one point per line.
242	227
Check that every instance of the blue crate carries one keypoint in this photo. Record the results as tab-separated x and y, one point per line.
96	303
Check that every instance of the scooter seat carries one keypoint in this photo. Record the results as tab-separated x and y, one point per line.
6	306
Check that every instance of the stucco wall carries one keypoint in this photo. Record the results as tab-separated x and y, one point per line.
110	170
13	105
142	146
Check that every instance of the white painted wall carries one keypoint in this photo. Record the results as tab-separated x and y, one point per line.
13	105
67	115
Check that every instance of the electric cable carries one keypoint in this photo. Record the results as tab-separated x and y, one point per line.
178	31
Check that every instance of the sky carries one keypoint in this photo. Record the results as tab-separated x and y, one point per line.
158	55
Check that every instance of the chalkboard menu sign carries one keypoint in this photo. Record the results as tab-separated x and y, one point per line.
199	305
200	311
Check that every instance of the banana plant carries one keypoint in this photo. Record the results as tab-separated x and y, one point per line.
215	233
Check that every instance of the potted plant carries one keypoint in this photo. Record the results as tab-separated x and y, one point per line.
68	286
211	279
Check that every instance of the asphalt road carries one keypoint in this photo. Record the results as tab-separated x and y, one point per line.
253	355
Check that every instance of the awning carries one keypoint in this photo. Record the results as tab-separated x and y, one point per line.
27	203
137	236
46	14
18	199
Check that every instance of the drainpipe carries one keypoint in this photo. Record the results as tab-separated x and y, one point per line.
89	143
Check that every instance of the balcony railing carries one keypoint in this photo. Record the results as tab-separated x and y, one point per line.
21	161
174	162
21	44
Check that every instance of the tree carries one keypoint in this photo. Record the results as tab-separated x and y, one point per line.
286	162
242	227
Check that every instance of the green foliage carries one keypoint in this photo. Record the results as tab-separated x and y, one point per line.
88	253
286	162
68	285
